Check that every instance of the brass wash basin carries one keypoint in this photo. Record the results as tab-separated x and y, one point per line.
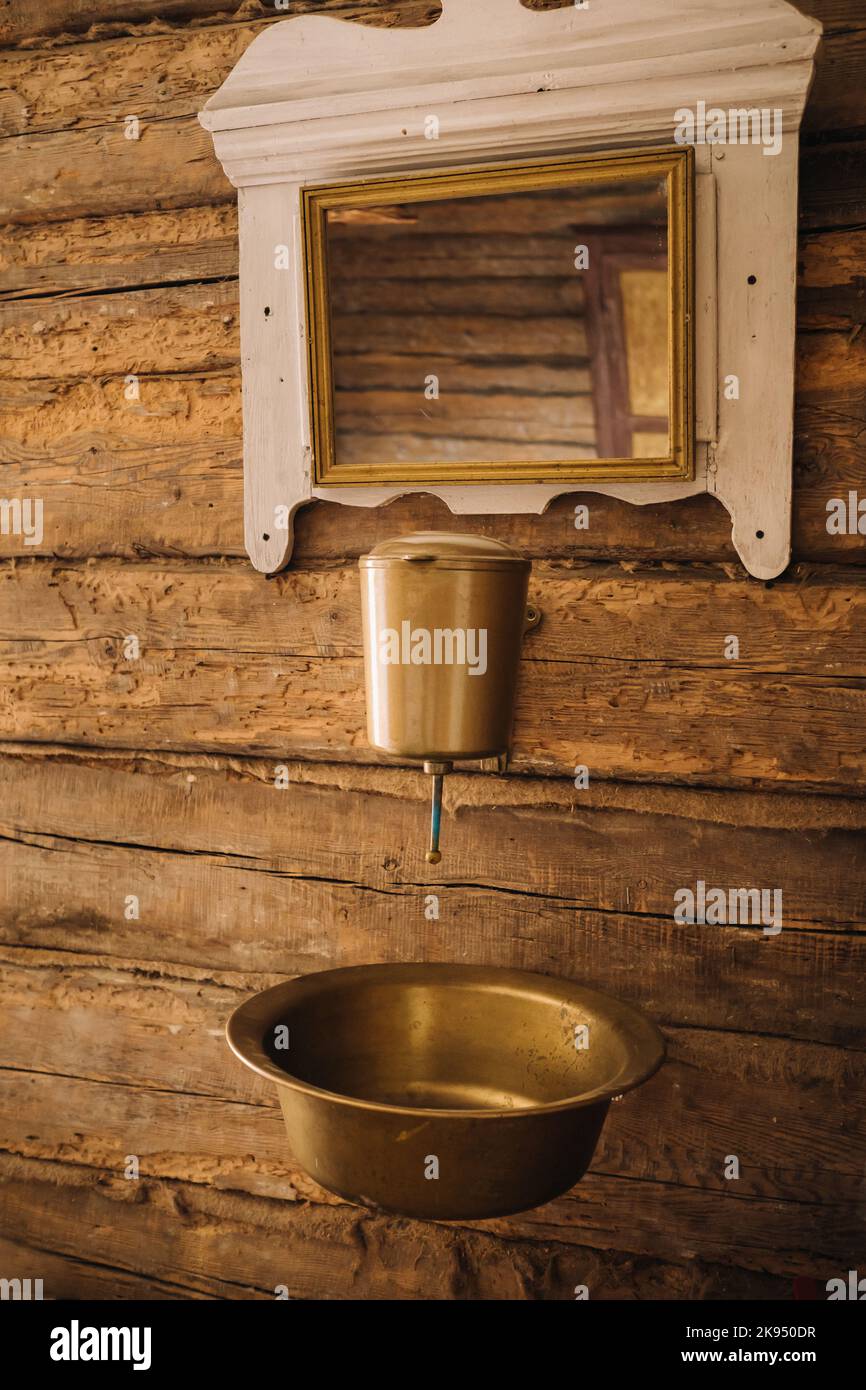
396	1072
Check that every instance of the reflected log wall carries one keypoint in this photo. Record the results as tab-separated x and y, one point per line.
155	778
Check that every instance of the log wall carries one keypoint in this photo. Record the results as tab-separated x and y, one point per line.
153	778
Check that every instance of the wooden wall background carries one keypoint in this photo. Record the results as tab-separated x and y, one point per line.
155	777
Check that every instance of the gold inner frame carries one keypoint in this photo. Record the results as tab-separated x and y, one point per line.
676	165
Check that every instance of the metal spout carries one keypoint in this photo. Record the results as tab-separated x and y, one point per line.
437	772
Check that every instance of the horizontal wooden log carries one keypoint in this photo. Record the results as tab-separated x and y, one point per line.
654	699
837	100
449	295
153	75
467	337
810	623
224	1145
807	1238
481	376
624	720
666	1146
831	369
162	476
443	258
129	251
68	22
629	720
831	288
161	473
220	1244
86	173
150	331
233	875
42	174
829	464
358	442
72	19
196	805
171	72
67	1277
141	1063
832	182
145	466
42	170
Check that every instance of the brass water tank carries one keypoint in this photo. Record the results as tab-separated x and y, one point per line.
443	619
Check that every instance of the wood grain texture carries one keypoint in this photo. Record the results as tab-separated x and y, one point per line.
123	256
87	173
812	623
154	75
128	251
189	327
529	880
63	114
71	158
65	22
833	181
165	71
70	1277
831	287
164	470
70	21
626	674
119	333
228	1245
73	1018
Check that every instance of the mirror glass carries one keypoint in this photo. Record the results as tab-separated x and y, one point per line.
515	331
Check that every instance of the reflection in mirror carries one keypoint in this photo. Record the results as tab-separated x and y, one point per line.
508	327
517	327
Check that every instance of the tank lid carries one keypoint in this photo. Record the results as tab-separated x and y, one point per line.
449	548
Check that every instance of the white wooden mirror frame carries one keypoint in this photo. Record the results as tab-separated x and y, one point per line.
316	99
